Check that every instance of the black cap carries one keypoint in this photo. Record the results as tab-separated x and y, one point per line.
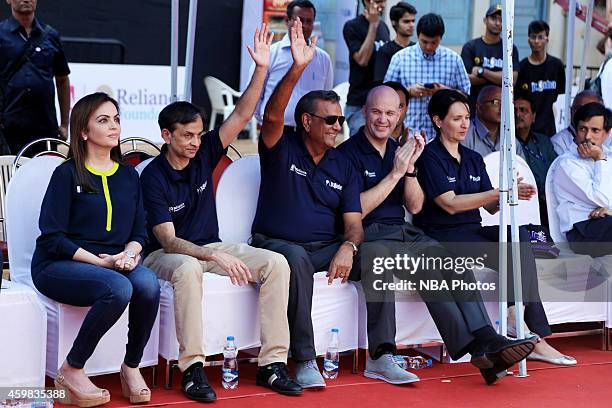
495	8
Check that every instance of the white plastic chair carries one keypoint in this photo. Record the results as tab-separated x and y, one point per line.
332	305
342	90
23	201
6	172
221	98
528	210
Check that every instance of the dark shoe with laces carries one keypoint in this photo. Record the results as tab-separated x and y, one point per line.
500	349
276	377
195	384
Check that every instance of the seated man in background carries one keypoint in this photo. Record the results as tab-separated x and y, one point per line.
184	233
400	133
583	185
537	148
388	184
484	133
563	141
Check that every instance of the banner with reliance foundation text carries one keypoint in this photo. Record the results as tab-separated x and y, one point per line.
141	91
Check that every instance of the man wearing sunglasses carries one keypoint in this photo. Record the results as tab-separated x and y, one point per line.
308	207
388	185
483	134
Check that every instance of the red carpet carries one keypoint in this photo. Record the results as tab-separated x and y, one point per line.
456	385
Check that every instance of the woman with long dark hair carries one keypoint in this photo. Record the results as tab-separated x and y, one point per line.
92	233
456	185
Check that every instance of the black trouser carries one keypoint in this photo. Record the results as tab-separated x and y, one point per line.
17	140
457	315
591	237
535	316
305	259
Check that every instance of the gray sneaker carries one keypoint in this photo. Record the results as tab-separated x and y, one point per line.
385	368
307	374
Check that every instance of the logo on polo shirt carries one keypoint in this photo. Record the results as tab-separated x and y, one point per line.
369	173
542	86
492	62
451	179
476	179
176	208
200	189
298	171
333	185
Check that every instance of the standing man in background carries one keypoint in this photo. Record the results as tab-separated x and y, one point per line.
403	18
543	77
364	35
31	56
483	56
318	75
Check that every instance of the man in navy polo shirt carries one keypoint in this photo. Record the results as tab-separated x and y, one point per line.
308	207
178	197
388	182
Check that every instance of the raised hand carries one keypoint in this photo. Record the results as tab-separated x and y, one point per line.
301	51
260	52
372	13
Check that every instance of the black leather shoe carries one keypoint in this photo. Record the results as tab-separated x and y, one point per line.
276	377
503	350
491	375
195	384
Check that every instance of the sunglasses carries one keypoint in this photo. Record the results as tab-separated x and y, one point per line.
330	120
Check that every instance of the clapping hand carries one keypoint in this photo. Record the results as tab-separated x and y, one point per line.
301	51
260	52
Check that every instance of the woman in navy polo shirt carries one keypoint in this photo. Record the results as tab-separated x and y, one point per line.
456	185
87	254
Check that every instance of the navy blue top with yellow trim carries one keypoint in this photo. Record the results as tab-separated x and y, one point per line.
184	197
301	201
71	218
440	172
372	168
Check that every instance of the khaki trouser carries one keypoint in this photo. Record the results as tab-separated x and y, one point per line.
185	273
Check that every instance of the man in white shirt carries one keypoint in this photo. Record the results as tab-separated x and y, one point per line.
582	184
563	141
319	74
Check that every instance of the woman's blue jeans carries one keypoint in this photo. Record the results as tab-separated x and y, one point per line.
108	292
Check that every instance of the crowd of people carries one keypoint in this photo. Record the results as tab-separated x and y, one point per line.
421	117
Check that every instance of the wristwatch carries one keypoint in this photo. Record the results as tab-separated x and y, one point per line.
413	174
130	254
355	249
480	72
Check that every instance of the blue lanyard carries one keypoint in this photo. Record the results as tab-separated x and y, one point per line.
537	154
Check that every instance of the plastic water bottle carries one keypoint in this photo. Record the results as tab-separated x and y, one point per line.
412	363
229	372
331	364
